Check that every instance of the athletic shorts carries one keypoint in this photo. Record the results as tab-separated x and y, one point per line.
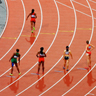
41	59
13	60
66	57
88	53
33	20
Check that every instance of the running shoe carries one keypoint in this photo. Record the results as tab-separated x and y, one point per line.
67	70
32	31
19	73
63	67
10	74
33	28
37	73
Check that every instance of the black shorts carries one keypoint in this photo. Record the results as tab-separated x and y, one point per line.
66	57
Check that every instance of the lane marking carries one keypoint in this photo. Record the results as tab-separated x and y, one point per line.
90	91
65	31
8	38
75	9
28	36
34	40
89	41
7	16
19	34
35	74
82	68
61	56
84	28
82	5
46	51
92	1
79	58
91	94
59	71
10	76
48	33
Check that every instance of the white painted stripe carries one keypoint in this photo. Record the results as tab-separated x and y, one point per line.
92	1
90	41
7	15
90	91
75	9
82	5
58	60
19	34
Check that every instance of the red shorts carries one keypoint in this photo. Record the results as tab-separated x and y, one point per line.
41	59
33	20
88	53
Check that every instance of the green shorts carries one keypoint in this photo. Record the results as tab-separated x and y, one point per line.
13	60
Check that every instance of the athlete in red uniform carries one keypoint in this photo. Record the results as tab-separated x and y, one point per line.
89	48
41	56
33	17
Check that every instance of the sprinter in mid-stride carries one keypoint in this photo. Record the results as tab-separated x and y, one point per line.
33	19
13	60
66	54
41	56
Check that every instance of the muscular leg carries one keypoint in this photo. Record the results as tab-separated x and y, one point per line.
88	60
67	64
42	67
64	64
39	66
17	67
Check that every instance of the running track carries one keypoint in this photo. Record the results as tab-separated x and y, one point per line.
59	23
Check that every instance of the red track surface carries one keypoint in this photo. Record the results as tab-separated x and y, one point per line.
64	37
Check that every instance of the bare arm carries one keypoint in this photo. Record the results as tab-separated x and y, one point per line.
92	47
35	15
64	54
71	55
28	16
11	57
37	54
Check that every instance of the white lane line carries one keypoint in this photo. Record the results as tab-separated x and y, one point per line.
90	39
92	1
79	81
46	51
90	91
75	9
59	59
76	62
7	15
19	34
82	5
31	45
30	48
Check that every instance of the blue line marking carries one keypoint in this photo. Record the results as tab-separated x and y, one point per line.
82	68
35	74
10	76
59	71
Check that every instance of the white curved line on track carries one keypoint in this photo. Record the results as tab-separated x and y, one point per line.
31	45
77	61
90	91
92	1
90	40
30	48
75	9
19	34
58	60
82	5
6	19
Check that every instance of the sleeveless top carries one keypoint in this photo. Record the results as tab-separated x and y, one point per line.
33	15
16	55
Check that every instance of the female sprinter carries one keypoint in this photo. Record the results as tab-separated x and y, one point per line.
41	56
14	61
89	48
66	54
33	17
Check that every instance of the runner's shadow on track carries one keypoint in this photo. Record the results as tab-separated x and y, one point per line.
15	86
40	85
90	79
67	80
32	38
